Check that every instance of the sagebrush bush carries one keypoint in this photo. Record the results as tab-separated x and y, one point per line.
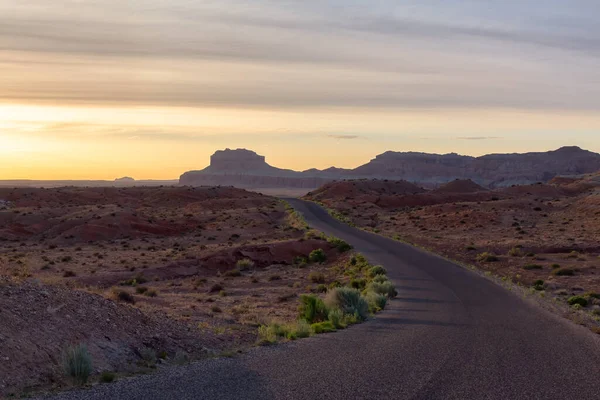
336	317
339	244
317	256
581	300
376	301
322	327
244	264
349	301
385	288
316	277
312	309
269	334
302	329
77	363
563	272
375	271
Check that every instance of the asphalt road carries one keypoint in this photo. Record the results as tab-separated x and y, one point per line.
450	334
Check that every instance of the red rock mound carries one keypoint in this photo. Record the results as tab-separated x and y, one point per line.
357	188
460	186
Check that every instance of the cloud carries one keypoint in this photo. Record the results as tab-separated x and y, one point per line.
478	137
344	137
296	55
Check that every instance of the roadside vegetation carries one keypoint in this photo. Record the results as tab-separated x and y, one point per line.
365	292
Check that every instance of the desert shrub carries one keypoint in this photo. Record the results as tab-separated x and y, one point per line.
349	301
269	334
555	266
532	266
336	317
216	309
376	301
107	377
538	285
312	309
151	293
233	273
581	300
77	363
385	288
376	270
359	284
317	256
125	296
515	252
300	261
322	327
380	279
321	288
299	330
244	264
69	274
316	277
487	257
339	244
302	329
563	272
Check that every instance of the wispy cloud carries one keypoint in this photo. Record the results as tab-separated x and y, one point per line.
478	137
344	137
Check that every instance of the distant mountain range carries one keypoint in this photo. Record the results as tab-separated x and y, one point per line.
246	169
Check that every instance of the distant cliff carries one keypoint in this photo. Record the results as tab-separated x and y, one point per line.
245	168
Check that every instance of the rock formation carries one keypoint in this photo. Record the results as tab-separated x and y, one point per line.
245	168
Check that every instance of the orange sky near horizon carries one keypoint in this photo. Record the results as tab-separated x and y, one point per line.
52	143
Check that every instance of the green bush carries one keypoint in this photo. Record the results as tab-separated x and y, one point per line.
563	272
336	317
376	270
349	301
126	297
582	301
322	327
339	244
77	363
316	277
376	301
317	256
539	285
312	309
302	329
359	284
386	288
380	279
244	264
268	334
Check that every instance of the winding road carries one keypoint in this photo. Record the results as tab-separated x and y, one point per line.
450	334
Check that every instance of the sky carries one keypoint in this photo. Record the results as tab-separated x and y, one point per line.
101	89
